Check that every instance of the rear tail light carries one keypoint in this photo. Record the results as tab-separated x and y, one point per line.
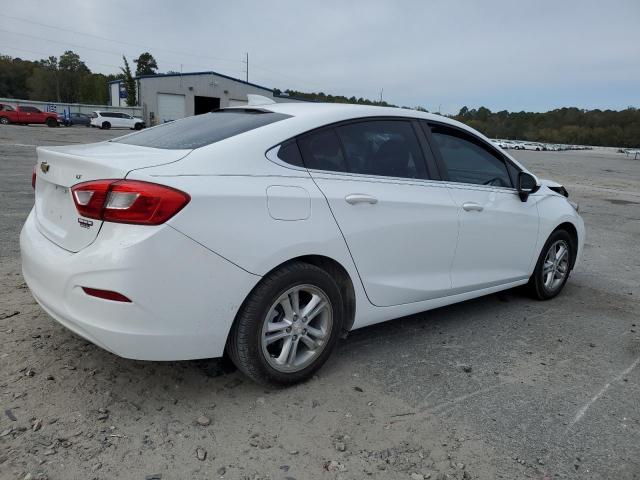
33	177
128	201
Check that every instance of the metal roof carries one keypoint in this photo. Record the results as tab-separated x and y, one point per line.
161	75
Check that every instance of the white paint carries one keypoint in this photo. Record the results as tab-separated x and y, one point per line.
254	99
288	202
188	278
601	392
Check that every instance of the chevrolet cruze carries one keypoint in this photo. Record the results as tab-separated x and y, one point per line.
268	231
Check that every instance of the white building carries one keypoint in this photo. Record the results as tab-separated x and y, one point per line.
169	96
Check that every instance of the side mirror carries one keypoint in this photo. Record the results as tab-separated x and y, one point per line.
527	185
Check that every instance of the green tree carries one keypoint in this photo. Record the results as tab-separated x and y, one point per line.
14	75
129	83
44	80
71	72
146	64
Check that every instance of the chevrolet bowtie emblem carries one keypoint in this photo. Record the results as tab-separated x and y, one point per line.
44	166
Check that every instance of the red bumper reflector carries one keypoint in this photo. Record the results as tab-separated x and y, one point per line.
105	294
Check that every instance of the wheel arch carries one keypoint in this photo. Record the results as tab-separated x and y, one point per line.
571	229
333	268
342	277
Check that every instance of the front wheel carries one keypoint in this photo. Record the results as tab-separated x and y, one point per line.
288	326
51	122
137	126
553	267
106	125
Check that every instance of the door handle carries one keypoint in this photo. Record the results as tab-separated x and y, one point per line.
472	207
354	198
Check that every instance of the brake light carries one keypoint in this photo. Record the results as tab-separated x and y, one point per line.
128	201
33	177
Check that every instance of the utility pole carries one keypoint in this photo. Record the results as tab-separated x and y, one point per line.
381	90
246	62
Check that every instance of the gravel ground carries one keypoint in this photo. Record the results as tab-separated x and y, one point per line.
498	387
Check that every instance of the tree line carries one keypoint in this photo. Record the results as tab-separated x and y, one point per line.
66	79
569	125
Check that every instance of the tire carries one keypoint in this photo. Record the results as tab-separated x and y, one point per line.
264	314
537	286
4	121
105	125
137	126
51	123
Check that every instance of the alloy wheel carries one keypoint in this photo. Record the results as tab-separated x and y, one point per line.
556	265
297	328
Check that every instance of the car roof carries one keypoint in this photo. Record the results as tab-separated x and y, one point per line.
346	110
309	115
316	114
327	113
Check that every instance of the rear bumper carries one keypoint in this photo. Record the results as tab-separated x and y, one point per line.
184	297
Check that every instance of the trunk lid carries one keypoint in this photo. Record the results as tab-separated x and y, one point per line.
59	168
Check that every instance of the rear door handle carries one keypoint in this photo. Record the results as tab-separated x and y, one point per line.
472	207
354	198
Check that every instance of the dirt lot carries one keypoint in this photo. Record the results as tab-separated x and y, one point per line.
499	387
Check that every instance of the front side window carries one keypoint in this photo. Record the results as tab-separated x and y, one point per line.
200	130
30	109
467	160
387	148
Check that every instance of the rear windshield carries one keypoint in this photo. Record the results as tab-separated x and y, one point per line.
201	130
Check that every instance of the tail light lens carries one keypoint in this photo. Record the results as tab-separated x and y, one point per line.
128	201
33	177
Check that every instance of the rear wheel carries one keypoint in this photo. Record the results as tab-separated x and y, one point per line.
553	267
4	121
288	326
106	125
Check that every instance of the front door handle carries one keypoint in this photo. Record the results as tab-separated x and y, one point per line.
354	198
472	207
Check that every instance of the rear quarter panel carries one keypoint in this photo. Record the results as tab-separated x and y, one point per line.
234	217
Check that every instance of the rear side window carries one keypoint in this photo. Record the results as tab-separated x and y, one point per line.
30	109
322	151
387	148
201	130
290	153
467	160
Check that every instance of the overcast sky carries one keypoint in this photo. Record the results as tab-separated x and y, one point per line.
517	55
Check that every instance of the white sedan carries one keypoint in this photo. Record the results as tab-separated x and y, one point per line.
269	231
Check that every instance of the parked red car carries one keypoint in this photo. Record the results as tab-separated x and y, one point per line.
25	114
